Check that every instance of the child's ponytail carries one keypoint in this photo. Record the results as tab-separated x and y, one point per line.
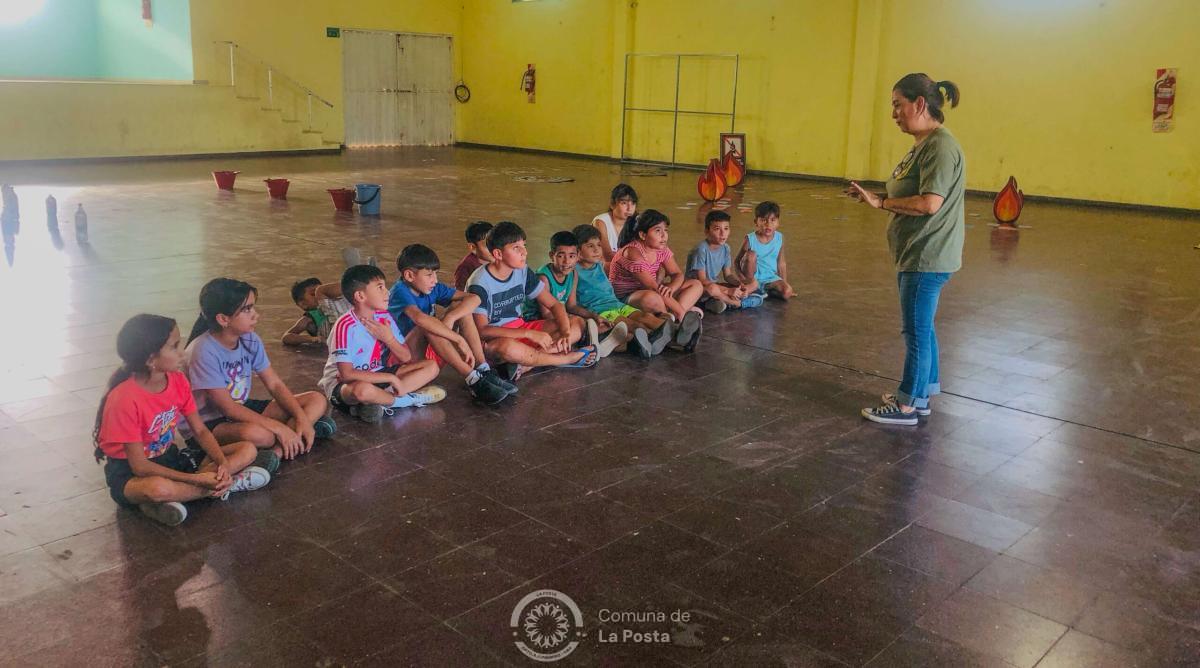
139	339
220	296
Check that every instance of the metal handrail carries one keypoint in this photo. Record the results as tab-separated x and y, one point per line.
272	71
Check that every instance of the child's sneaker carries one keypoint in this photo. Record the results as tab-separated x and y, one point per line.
248	480
715	306
325	427
923	412
267	460
640	344
430	394
486	392
491	376
616	337
689	329
593	333
171	513
512	372
752	300
890	413
662	337
370	413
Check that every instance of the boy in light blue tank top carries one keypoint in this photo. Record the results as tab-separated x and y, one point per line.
761	257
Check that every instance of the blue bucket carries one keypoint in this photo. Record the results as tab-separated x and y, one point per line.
367	198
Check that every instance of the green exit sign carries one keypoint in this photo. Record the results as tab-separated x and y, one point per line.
333	32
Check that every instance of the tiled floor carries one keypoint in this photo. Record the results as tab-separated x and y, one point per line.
1048	513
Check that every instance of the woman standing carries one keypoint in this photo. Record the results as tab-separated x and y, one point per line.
925	197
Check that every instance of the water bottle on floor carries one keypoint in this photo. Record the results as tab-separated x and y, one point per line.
81	231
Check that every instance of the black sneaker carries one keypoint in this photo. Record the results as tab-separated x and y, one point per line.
889	413
486	392
509	372
491	376
267	459
661	337
640	344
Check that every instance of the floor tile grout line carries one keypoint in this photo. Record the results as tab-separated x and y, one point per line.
970	398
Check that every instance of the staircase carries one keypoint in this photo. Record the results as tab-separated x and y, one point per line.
258	84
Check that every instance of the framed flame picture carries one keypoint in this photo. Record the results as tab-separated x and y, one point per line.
735	143
1164	100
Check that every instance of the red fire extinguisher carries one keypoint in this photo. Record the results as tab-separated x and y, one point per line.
529	81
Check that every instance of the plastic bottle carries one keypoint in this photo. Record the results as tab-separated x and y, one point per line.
51	212
81	231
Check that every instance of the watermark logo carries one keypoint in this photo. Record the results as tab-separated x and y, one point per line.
547	625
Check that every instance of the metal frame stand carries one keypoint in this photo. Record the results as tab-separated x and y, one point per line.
675	111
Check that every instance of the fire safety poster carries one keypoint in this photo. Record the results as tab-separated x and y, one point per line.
1164	100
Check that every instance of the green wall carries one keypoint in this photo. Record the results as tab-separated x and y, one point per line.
99	39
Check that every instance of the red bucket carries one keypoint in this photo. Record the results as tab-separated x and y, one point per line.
224	179
277	188
343	198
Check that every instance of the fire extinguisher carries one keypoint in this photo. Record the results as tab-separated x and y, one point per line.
529	81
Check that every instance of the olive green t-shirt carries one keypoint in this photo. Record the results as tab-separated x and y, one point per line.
934	242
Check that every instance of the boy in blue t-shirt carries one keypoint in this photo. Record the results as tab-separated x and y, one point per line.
711	264
502	286
453	339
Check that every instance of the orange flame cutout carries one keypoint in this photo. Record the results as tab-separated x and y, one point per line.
733	169
1007	205
711	184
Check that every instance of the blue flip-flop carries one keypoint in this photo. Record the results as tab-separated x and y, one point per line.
589	353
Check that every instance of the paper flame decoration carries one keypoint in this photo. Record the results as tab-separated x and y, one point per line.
733	169
711	184
1007	205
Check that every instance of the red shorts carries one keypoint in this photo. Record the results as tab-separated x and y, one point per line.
520	323
431	354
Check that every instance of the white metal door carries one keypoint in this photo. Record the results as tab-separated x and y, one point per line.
426	83
369	73
398	89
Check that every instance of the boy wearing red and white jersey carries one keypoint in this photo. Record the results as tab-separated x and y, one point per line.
370	371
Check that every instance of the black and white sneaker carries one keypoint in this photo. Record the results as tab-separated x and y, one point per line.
923	412
662	337
487	392
491	376
889	413
640	344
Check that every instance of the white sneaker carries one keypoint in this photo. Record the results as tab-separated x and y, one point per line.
430	394
617	336
593	332
248	480
923	412
170	513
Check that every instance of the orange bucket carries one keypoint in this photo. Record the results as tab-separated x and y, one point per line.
343	198
277	187
224	179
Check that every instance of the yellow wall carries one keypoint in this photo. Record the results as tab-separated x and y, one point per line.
570	44
290	35
1057	93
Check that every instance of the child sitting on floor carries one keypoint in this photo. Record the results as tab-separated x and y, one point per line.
634	276
761	257
502	286
322	304
594	293
222	357
477	253
370	372
453	339
559	277
136	424
710	263
622	205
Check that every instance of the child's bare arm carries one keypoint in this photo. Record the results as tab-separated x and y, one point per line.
298	335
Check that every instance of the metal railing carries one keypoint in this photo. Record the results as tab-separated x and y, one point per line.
253	78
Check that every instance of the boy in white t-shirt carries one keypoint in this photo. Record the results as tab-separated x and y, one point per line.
370	371
622	205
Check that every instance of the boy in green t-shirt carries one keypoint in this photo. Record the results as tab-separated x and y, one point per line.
562	281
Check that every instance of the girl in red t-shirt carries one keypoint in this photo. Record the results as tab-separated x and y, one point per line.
136	425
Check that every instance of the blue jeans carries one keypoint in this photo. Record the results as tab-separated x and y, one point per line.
919	292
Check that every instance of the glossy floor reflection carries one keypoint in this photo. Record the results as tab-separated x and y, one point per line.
1048	513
